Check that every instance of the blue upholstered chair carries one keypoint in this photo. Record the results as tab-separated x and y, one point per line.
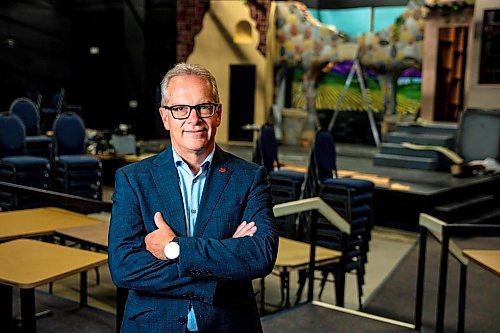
36	144
15	167
285	184
74	172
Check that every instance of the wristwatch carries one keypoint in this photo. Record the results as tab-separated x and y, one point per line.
172	249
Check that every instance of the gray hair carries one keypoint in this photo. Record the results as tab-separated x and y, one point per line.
181	69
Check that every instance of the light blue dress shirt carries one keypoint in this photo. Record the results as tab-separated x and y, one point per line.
191	188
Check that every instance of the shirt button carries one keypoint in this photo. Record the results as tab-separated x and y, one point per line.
194	181
193	211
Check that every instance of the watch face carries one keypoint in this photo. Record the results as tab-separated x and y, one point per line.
172	250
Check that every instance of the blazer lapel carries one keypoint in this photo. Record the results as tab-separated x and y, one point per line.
219	174
167	184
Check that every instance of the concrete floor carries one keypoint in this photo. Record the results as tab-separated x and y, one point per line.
387	246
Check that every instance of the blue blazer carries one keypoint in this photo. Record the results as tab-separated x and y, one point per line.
214	272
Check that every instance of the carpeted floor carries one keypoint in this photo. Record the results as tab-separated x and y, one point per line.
309	318
395	298
67	316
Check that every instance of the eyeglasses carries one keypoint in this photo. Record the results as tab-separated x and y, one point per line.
204	110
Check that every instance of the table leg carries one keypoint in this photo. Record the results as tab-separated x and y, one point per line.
121	298
262	296
461	299
83	288
419	296
443	274
339	285
6	306
28	315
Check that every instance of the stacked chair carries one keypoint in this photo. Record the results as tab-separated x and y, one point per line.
28	112
73	171
17	168
352	199
285	184
57	105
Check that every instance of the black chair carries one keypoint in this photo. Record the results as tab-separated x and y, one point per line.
74	172
36	144
352	199
17	168
285	184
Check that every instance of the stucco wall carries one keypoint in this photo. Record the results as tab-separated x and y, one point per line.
215	49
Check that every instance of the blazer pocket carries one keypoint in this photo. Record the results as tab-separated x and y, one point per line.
136	311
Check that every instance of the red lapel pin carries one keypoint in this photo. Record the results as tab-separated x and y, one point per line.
222	170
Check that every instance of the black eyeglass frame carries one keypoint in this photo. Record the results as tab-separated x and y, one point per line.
196	107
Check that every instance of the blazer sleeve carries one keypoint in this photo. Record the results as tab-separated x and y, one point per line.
236	258
131	265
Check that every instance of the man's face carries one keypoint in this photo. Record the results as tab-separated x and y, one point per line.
194	134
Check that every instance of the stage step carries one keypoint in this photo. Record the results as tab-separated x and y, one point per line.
445	140
392	153
390	148
469	208
411	162
434	128
466	203
489	217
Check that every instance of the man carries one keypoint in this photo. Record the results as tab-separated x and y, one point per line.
179	240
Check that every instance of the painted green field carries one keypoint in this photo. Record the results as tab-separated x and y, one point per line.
331	86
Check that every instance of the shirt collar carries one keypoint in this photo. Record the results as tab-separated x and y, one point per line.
204	166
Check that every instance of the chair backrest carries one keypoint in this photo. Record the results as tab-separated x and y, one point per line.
325	155
479	134
12	135
69	134
58	100
268	147
27	110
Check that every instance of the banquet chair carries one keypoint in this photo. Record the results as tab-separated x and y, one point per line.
74	172
36	144
17	168
285	184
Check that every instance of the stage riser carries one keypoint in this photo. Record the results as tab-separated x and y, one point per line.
398	209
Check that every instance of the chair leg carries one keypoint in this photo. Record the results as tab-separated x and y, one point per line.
359	278
323	283
302	283
283	287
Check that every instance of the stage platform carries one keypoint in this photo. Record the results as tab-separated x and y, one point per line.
400	194
321	317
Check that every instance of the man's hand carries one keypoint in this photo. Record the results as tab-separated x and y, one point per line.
156	240
245	229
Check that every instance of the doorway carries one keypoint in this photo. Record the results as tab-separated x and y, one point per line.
241	101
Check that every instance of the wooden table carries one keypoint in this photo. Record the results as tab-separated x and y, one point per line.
39	222
96	236
27	264
93	235
487	259
293	256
